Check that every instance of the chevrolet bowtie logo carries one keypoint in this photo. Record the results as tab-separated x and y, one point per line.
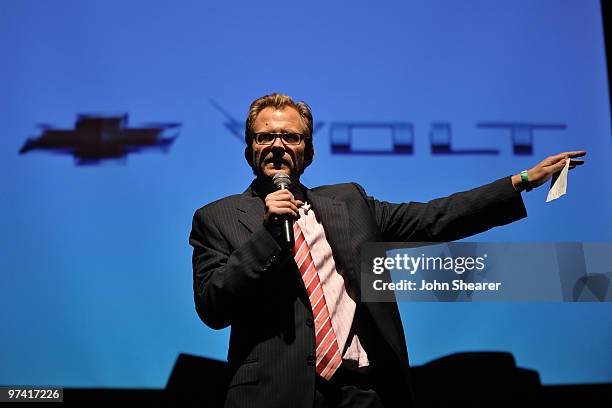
96	138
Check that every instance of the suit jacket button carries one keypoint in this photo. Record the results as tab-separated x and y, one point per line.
309	322
310	360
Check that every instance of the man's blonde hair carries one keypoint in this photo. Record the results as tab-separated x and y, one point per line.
277	101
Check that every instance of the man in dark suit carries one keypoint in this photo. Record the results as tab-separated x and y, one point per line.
300	334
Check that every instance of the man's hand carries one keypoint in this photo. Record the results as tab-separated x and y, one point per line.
544	170
280	203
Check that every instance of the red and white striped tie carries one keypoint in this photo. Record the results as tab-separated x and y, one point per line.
328	353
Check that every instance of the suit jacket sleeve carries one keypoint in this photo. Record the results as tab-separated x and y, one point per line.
454	217
225	279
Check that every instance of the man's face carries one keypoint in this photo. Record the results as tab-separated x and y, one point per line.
270	159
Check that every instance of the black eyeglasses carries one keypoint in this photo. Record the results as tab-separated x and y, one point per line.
266	138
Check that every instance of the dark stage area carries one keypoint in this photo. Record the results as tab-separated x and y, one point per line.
470	379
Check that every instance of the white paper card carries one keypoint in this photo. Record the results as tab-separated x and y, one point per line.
558	185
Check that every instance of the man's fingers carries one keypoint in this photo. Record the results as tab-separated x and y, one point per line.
553	168
575	153
283	204
560	161
281	195
575	163
559	166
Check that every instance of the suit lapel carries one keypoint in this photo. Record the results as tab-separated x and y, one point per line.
250	210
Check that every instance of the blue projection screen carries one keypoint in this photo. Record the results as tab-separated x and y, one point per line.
413	100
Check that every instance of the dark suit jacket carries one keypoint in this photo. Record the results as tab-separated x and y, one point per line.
242	278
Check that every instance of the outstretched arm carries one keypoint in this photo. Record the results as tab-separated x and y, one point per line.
457	216
467	213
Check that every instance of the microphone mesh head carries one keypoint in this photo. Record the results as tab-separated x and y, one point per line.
281	180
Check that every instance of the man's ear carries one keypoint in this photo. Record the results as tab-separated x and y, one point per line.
248	155
309	155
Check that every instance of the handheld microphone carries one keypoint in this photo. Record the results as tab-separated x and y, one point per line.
282	182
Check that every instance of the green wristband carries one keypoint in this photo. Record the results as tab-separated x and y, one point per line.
525	180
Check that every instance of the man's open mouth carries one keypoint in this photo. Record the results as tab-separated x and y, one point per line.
277	161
